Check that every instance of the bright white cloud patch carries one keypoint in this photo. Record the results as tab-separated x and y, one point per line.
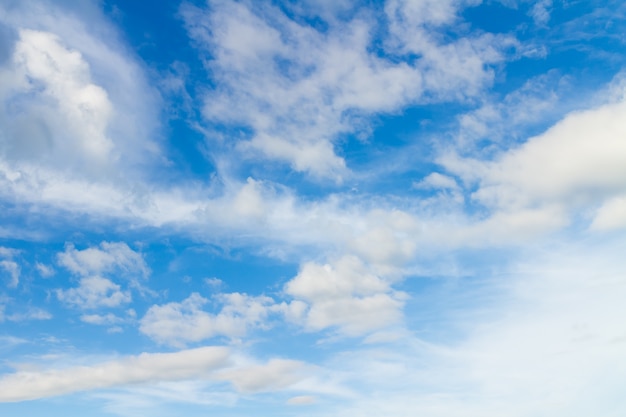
322	82
108	257
69	114
177	324
94	292
345	295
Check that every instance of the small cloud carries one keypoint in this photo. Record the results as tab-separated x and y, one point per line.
14	270
94	292
101	319
436	181
213	282
44	270
31	314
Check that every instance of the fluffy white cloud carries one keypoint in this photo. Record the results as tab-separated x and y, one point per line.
109	257
94	292
346	296
57	111
66	121
177	324
301	88
578	164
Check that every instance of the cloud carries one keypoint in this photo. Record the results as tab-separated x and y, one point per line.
302	88
144	368
274	375
73	99
100	319
44	270
74	119
545	335
177	324
301	400
436	180
109	257
94	292
345	296
560	170
30	314
540	12
13	269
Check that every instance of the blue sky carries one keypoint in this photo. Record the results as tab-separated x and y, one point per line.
312	208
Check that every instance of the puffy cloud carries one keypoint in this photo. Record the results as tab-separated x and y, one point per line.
58	111
147	367
177	324
346	296
110	256
94	292
578	163
301	88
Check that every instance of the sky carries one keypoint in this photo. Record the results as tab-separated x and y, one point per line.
313	208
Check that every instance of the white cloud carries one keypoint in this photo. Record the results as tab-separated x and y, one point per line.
577	164
68	119
545	336
13	269
73	99
435	181
274	375
145	368
301	88
109	257
32	313
540	12
100	319
611	214
94	292
346	296
46	271
177	324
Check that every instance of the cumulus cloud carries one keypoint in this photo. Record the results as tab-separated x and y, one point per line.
94	292
57	111
177	324
345	296
321	82
108	257
578	163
